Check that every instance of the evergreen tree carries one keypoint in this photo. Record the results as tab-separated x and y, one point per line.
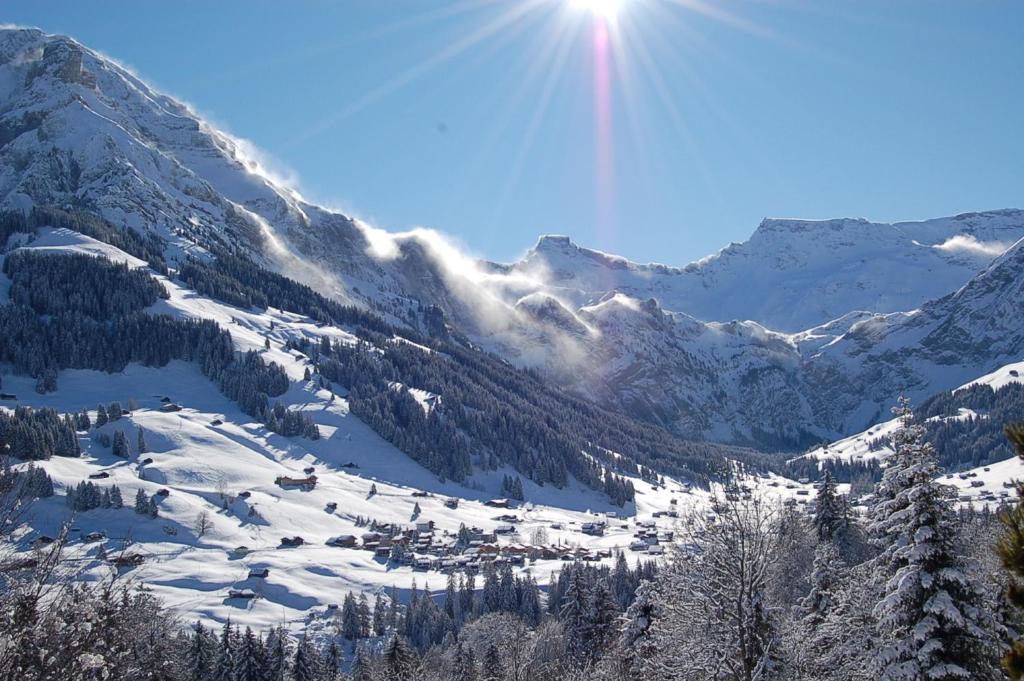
332	665
224	669
602	620
492	668
397	660
828	513
1011	553
121	445
141	502
277	663
574	615
360	669
932	623
349	618
101	416
379	615
116	501
247	658
304	667
142	442
200	653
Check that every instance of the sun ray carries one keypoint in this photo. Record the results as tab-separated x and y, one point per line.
563	44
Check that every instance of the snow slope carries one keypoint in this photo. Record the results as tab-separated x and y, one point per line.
209	453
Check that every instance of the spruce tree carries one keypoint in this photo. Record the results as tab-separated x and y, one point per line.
247	658
398	660
574	616
141	502
828	514
1011	554
360	669
142	442
200	653
304	667
931	620
224	669
121	445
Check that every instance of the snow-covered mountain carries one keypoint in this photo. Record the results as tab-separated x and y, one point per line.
806	330
792	275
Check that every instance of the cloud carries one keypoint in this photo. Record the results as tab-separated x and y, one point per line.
969	245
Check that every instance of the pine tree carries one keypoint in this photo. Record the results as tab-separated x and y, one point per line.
141	502
363	614
142	442
332	665
574	616
116	501
931	619
828	515
277	663
398	660
360	670
304	667
602	620
200	653
224	669
121	445
247	659
349	618
1011	554
101	416
379	615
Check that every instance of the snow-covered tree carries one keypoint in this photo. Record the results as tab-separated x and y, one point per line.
573	614
200	653
224	668
121	445
828	512
141	502
398	661
1011	554
248	662
304	667
931	623
715	622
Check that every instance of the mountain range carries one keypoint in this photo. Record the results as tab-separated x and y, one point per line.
805	332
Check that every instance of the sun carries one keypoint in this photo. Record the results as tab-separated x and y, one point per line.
604	9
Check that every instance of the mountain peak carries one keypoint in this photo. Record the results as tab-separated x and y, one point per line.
555	242
800	225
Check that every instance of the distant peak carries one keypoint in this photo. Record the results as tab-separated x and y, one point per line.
554	241
796	225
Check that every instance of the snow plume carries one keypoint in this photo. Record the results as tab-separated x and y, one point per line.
487	296
969	245
302	269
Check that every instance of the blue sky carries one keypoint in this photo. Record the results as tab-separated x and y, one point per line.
477	117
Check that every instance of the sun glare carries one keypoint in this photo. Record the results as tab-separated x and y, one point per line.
605	9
